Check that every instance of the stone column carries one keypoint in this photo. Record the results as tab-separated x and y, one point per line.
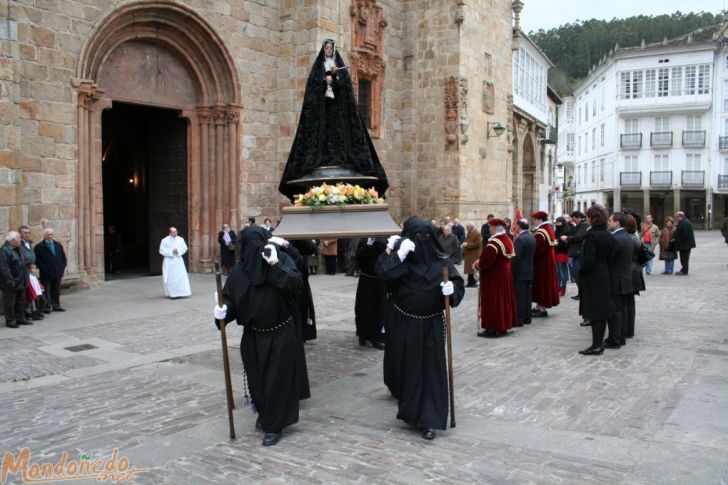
645	202
617	200
676	201
204	120
708	206
233	142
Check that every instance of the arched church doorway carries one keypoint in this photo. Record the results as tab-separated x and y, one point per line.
144	178
159	99
530	202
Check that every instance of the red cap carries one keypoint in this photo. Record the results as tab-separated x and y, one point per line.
540	215
496	222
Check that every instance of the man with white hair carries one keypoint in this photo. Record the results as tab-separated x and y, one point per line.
51	261
13	280
174	272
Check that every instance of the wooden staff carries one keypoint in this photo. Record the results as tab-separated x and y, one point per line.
446	278
225	360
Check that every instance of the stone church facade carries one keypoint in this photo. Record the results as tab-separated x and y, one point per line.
146	114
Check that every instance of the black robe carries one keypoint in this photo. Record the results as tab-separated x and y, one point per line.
415	362
369	306
227	253
271	359
331	132
305	248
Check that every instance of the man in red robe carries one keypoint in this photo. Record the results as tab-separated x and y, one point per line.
497	296
545	283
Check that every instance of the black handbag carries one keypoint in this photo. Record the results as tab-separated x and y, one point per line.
644	254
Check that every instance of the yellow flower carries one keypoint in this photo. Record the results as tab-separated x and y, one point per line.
322	197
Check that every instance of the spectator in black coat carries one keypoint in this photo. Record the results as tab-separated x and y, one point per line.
684	240
522	270
574	240
620	278
13	281
51	261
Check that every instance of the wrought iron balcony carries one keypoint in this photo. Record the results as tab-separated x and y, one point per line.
551	136
693	178
630	140
630	179
723	181
723	142
661	179
661	139
693	138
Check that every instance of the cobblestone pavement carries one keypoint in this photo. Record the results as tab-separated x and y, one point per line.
530	409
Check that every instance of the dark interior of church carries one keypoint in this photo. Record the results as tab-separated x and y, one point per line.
144	186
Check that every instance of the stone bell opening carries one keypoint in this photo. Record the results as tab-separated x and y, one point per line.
144	178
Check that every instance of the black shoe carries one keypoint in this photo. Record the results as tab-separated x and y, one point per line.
24	322
592	351
11	324
534	310
623	341
471	286
258	424
585	323
59	309
37	316
47	311
428	433
527	322
271	438
576	297
680	273
540	314
608	344
488	334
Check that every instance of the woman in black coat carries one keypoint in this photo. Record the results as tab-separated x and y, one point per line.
638	280
594	277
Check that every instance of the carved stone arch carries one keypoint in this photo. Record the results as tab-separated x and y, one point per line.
121	62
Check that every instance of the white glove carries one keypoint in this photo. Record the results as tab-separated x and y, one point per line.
370	241
405	248
447	288
220	312
279	241
392	240
273	258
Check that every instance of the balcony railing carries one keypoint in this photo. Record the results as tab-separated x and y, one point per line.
693	178
552	135
723	181
661	179
630	140
630	179
661	139
723	142
693	138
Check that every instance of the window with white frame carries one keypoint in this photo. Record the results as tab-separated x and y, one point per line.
594	104
578	146
602	96
725	95
601	135
579	114
570	111
594	138
601	170
725	126
586	110
704	79
662	123
692	162
661	163
593	171
631	164
569	142
725	166
650	83
726	62
530	77
631	125
690	80
663	78
676	81
694	123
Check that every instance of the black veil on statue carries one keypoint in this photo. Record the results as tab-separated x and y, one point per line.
332	143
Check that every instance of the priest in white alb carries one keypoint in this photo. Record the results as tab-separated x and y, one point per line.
174	273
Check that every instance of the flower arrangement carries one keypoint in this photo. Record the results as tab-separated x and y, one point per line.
339	194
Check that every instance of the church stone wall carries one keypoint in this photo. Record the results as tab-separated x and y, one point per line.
272	44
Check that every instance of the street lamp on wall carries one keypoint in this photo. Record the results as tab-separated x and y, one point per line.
496	128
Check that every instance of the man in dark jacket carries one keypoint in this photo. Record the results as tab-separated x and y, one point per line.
13	281
574	240
51	261
620	278
684	239
522	270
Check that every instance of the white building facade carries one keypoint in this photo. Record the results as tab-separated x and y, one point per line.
644	130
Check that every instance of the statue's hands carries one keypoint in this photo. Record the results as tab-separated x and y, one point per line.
333	70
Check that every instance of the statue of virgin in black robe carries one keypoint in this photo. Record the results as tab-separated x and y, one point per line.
262	298
415	365
330	131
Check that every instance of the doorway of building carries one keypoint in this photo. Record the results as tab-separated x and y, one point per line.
144	172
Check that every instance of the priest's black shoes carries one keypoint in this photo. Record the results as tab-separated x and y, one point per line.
592	351
608	344
428	433
539	314
375	342
271	438
11	325
585	323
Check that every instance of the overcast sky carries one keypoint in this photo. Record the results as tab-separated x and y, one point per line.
546	14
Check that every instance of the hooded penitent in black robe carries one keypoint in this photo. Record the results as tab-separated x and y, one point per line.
416	311
330	131
369	306
262	298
